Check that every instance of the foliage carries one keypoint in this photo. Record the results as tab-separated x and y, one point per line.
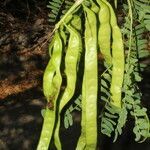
136	21
131	92
58	8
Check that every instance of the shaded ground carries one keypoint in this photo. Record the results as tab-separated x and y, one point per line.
21	120
23	29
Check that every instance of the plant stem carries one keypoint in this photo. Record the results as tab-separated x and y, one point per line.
131	30
74	6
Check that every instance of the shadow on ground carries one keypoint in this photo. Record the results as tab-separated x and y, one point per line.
21	121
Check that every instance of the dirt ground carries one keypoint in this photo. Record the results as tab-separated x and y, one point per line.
24	31
23	27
